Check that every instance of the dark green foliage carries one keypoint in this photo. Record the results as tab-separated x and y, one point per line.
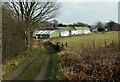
101	29
113	26
53	48
62	25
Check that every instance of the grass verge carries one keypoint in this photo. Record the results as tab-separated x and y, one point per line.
32	71
53	71
14	64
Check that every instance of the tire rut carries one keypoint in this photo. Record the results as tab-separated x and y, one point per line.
44	70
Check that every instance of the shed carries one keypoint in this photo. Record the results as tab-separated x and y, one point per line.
45	34
82	30
65	31
94	29
66	28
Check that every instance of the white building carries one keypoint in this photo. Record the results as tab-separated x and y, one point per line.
81	30
64	33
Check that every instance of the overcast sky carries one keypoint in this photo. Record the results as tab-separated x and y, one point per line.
88	12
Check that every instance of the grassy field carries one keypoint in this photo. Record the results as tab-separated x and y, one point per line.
97	39
83	61
54	67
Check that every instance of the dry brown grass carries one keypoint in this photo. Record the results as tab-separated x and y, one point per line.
91	64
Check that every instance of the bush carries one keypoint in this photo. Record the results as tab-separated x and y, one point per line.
101	29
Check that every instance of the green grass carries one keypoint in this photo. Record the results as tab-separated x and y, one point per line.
53	71
9	68
32	71
76	42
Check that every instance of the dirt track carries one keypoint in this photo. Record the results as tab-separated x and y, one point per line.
44	70
16	73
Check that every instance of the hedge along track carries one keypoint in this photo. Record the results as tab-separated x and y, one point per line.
16	73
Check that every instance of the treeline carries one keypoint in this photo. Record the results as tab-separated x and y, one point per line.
101	26
110	26
113	26
78	24
13	35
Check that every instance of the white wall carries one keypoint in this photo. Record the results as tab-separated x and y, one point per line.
87	32
74	32
77	32
64	33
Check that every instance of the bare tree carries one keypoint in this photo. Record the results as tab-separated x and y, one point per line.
55	23
33	11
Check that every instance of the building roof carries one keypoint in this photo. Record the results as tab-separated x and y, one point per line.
82	28
45	31
66	28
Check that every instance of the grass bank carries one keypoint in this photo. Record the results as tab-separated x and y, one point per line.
53	72
15	63
33	69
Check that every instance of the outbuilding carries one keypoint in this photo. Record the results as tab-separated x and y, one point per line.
45	34
65	31
81	30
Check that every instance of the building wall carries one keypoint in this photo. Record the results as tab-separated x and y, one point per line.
87	32
45	36
74	32
77	32
65	33
57	33
54	34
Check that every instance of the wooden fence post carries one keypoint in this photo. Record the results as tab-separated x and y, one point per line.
94	44
105	43
83	45
112	42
